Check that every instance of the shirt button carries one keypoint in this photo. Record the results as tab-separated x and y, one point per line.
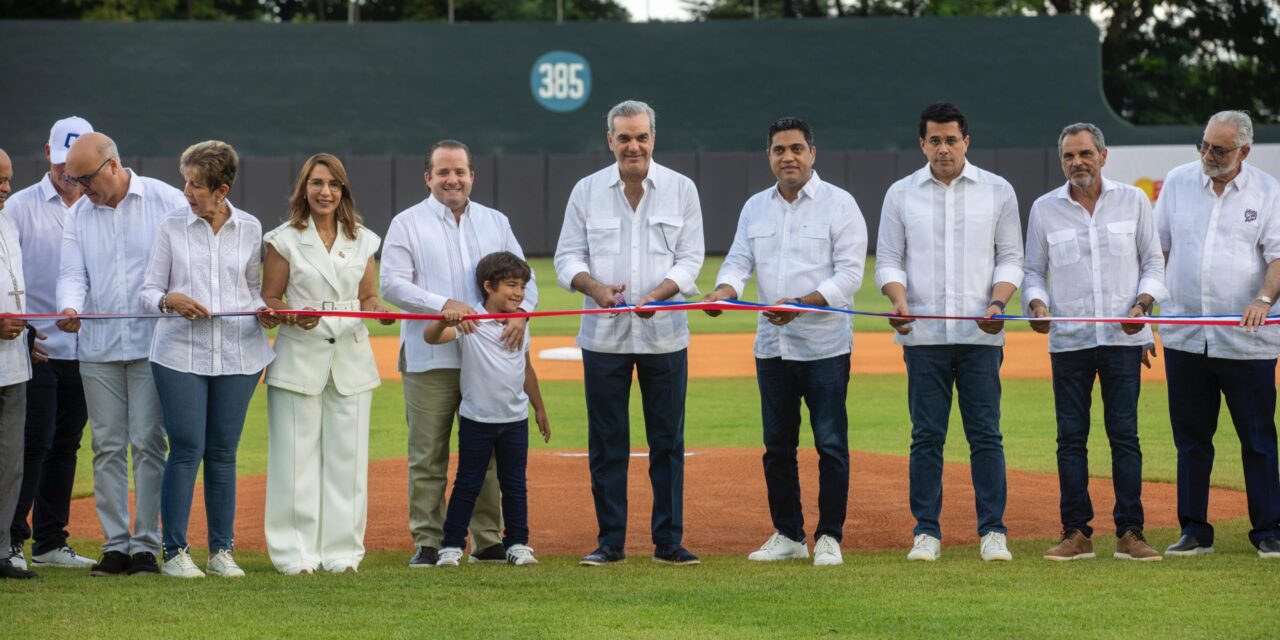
330	340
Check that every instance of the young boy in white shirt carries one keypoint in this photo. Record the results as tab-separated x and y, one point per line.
498	385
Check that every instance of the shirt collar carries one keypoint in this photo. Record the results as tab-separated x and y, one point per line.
925	175
135	186
1241	181
47	190
1064	192
441	211
809	190
231	220
615	175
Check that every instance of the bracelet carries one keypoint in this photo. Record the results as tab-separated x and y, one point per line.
1266	299
997	303
164	304
1146	307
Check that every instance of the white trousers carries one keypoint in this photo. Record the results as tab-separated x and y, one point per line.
124	415
317	479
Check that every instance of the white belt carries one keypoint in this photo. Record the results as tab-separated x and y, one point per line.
327	305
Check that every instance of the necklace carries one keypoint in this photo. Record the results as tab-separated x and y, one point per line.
16	292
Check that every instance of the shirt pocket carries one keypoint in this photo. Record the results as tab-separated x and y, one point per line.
664	234
604	236
1064	249
762	236
1120	237
815	241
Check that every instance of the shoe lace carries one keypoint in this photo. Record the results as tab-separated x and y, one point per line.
1137	536
1067	533
228	562
993	542
521	551
185	561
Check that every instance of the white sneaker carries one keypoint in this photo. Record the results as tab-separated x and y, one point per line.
449	557
780	547
222	564
181	566
826	552
926	547
16	558
521	555
66	558
995	547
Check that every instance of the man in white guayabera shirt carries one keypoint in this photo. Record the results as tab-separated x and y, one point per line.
806	241
56	413
15	371
106	249
633	232
950	243
429	266
1219	225
1092	250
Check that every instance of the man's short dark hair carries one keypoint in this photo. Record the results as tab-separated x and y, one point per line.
790	123
941	112
448	144
499	266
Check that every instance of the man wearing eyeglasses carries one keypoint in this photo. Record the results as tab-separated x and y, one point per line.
1219	225
56	413
950	244
429	266
106	248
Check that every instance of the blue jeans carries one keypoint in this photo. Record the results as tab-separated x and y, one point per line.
824	385
973	371
1119	371
56	415
663	380
203	417
508	445
1197	384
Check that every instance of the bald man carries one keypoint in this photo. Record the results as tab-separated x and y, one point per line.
106	247
15	371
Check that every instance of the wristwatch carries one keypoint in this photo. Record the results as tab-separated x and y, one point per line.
997	303
1146	306
1266	299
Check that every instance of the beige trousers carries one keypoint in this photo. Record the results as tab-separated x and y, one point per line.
431	402
317	479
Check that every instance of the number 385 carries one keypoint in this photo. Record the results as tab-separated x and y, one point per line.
560	80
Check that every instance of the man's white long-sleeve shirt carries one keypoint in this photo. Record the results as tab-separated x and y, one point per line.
105	255
1093	265
429	258
949	245
1219	249
41	217
660	240
816	243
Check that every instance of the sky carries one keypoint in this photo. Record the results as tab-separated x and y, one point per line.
642	10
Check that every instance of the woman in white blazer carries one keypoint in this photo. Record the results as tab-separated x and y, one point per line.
321	383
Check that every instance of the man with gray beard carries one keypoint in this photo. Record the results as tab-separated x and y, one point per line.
1219	226
1078	232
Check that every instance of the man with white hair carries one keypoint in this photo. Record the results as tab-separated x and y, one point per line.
56	412
1219	225
106	249
633	232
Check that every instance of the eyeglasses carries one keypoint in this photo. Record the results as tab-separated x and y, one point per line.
1218	152
87	181
319	185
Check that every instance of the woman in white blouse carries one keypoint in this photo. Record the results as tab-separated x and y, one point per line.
206	368
321	383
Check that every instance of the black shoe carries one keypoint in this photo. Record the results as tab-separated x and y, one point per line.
1188	546
425	557
10	572
143	562
673	554
1269	548
603	555
492	554
113	563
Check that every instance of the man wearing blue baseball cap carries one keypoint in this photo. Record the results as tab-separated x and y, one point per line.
55	415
